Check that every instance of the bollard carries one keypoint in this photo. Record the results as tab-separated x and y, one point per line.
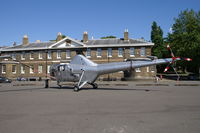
46	83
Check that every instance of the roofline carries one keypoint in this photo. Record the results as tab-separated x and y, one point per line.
86	46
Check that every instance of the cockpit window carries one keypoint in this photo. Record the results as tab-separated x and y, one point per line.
61	68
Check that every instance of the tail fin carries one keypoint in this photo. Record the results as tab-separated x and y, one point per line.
82	60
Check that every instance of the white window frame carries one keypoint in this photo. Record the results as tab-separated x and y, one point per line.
22	70
137	70
31	58
142	51
109	52
40	67
120	52
153	69
68	54
49	55
14	56
31	69
132	52
48	68
99	52
14	72
148	69
23	56
40	55
59	54
88	53
3	72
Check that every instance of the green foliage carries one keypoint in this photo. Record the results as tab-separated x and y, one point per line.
107	37
158	49
185	38
63	36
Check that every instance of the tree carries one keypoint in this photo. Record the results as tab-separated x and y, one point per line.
108	37
185	39
159	49
157	38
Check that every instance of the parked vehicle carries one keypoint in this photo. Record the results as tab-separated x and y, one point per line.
5	80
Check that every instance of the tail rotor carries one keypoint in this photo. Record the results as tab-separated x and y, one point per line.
172	63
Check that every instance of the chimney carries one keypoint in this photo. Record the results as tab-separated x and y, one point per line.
38	41
14	44
126	35
25	40
59	37
85	37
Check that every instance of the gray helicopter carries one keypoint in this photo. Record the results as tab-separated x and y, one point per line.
84	71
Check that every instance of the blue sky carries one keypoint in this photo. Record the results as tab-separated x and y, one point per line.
43	19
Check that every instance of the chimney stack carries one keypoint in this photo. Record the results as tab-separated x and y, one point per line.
126	35
38	41
25	40
59	37
85	37
14	44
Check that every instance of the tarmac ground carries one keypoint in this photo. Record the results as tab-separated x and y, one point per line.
115	107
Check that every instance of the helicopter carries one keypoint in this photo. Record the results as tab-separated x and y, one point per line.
84	71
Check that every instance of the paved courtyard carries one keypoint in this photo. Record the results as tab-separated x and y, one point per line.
115	107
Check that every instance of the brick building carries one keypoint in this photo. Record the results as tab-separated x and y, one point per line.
41	55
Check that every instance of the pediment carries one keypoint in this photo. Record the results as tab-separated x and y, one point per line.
67	42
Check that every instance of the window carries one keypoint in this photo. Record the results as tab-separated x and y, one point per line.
40	55
147	69
137	70
31	69
49	55
3	69
31	55
61	68
23	56
109	52
88	52
22	69
48	68
132	52
68	54
14	69
120	52
153	68
142	51
99	52
58	54
14	56
40	69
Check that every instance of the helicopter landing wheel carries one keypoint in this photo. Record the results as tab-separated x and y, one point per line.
95	86
76	88
60	86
